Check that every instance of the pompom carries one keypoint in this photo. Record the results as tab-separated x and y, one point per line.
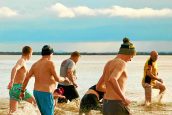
126	40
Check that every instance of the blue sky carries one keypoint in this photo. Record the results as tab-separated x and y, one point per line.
76	21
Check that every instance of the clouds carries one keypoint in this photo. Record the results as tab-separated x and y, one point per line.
6	12
135	13
63	11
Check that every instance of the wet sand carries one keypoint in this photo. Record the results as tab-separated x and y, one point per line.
4	106
25	108
72	109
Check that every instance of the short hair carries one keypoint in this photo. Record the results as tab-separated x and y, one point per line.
75	54
26	50
47	50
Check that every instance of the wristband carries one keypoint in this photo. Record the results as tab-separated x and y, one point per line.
23	90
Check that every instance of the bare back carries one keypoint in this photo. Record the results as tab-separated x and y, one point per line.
21	72
44	81
114	69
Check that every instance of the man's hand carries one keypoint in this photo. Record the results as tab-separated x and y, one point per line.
10	85
160	80
67	80
21	95
75	85
56	95
126	102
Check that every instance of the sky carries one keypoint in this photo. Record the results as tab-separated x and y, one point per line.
87	26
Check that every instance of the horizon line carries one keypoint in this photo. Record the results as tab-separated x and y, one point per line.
85	53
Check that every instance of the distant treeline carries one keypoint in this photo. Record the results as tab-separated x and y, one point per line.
83	53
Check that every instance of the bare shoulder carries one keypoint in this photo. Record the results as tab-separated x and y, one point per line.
20	63
108	63
34	64
50	63
33	67
120	62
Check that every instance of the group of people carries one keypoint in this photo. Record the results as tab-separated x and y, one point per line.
107	95
46	78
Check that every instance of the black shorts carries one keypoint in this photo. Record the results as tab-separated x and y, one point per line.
148	79
70	93
89	102
114	107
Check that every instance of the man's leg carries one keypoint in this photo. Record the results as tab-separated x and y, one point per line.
32	101
72	93
13	106
29	98
14	98
148	93
162	89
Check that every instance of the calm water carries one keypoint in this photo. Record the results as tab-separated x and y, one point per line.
89	70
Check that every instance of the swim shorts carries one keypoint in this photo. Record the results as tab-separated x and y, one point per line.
114	107
45	102
89	102
15	92
70	93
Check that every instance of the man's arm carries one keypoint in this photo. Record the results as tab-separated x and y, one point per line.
114	81
18	65
54	73
28	76
149	73
71	77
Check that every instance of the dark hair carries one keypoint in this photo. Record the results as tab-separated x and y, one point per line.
26	50
47	50
75	54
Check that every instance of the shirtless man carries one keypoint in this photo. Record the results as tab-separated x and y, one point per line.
150	78
113	81
46	78
18	75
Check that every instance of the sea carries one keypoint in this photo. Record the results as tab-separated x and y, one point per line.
89	70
